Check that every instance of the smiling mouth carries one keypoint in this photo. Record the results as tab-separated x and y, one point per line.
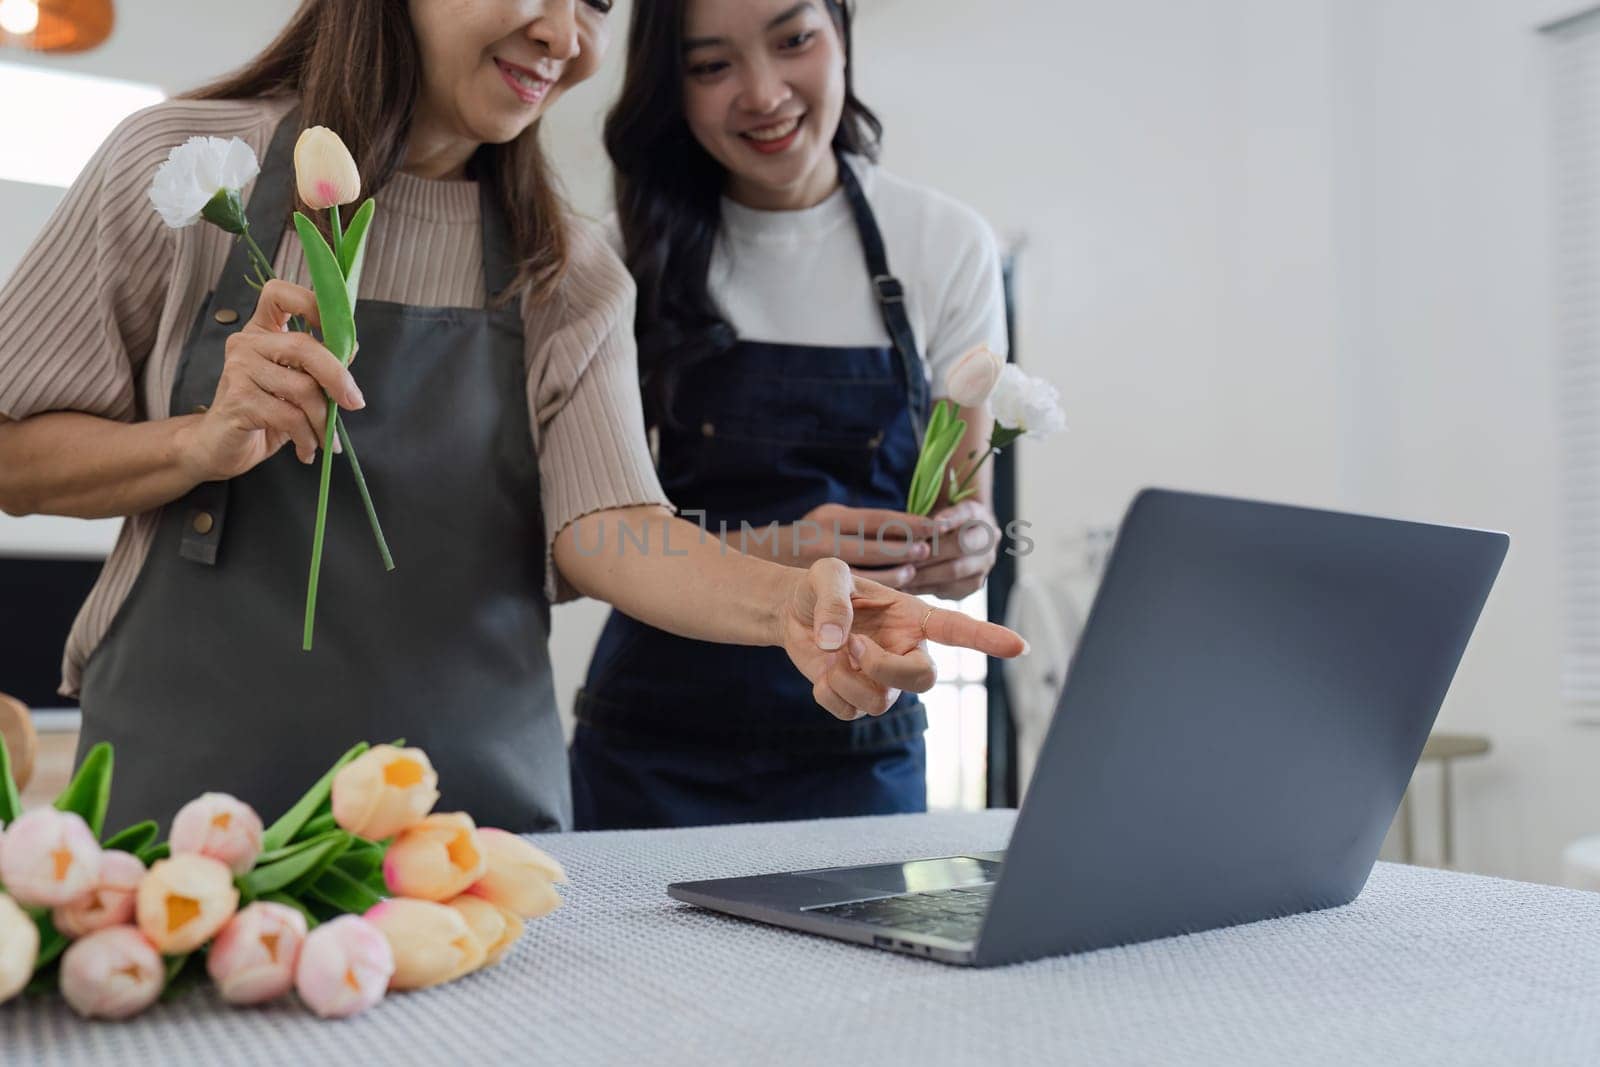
776	138
778	131
529	87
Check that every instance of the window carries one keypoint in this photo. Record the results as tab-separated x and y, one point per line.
958	722
1575	127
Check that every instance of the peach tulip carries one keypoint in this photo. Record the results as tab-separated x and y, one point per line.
437	859
383	791
432	943
324	171
112	974
109	903
253	959
51	858
345	967
496	928
519	876
973	377
184	901
19	948
220	826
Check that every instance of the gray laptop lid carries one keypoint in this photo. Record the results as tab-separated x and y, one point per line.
1253	690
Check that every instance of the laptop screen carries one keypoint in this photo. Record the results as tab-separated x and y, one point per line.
39	599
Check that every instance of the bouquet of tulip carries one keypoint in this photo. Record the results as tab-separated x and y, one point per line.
356	890
202	179
1023	406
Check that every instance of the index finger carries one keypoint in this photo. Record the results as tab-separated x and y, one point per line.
281	301
963	631
301	352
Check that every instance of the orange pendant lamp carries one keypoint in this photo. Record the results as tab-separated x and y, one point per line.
55	25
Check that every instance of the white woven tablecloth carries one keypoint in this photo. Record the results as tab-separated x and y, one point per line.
1425	967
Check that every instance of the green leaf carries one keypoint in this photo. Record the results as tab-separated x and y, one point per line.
349	895
289	850
318	826
327	282
147	856
281	874
140	835
288	826
361	860
353	250
90	789
937	452
10	798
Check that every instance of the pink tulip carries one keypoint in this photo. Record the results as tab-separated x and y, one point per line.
109	903
383	791
325	172
519	876
111	974
184	901
973	377
253	959
51	858
345	967
220	826
437	859
19	948
496	928
432	942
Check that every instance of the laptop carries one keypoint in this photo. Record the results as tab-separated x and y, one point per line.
1250	695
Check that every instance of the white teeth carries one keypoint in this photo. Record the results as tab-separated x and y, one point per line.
521	78
774	133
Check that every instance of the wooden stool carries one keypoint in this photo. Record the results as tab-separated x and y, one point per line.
1443	748
16	727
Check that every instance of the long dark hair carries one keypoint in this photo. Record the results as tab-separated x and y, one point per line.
669	193
314	57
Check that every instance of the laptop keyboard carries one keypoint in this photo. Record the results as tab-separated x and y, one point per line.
955	914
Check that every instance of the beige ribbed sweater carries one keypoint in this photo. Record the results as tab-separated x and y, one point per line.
96	316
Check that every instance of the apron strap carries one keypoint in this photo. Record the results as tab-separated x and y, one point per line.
891	295
499	257
230	306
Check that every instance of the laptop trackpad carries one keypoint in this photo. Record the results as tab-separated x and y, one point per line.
915	877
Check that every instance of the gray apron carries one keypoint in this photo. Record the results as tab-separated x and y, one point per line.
201	683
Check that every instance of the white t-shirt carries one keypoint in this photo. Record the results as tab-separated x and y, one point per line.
801	278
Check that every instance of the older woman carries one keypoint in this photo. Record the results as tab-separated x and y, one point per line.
495	401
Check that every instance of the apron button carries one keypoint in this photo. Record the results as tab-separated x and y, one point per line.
203	522
707	430
226	316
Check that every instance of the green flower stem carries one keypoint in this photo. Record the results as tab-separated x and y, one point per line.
366	497
263	264
322	522
338	229
973	473
264	270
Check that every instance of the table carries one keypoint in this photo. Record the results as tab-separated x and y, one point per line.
1425	967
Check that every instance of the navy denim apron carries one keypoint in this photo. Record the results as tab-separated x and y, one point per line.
675	732
201	684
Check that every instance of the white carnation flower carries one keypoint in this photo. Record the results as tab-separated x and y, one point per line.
195	172
1026	405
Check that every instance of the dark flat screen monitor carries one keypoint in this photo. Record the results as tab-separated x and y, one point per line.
39	598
